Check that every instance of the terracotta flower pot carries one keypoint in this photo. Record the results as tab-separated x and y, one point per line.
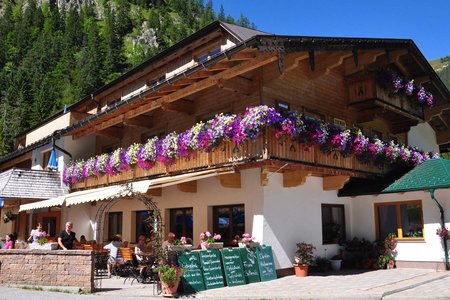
170	291
301	270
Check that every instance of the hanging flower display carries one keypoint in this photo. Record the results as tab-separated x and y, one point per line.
239	129
396	84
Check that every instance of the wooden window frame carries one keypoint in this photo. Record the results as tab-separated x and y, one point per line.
215	217
344	233
397	204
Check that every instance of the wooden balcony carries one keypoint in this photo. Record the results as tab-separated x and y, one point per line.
266	148
370	99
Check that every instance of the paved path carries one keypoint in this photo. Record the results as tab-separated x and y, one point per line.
382	284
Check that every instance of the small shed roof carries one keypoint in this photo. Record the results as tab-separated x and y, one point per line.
431	174
30	184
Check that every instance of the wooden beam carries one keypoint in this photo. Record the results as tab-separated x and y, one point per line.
200	74
331	183
212	80
443	137
435	111
364	59
188	187
184	81
222	65
295	178
108	123
242	56
111	132
139	121
238	85
325	65
17	160
264	178
232	180
184	107
157	192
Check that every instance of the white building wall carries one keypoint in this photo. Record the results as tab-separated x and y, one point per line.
293	215
423	137
430	249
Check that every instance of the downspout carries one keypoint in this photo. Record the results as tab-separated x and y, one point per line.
60	149
445	238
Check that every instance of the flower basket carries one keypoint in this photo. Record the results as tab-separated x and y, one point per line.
170	291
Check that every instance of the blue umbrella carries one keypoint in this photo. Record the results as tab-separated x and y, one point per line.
52	162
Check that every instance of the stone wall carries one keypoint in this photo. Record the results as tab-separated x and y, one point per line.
71	268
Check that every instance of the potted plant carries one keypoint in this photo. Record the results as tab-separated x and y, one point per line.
303	258
8	216
180	245
322	264
209	241
247	241
170	279
336	262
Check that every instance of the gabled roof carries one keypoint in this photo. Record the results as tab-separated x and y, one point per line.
248	38
30	184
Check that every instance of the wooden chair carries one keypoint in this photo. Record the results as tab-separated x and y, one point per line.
88	247
131	266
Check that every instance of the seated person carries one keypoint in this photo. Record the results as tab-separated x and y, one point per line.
143	249
83	240
9	242
113	248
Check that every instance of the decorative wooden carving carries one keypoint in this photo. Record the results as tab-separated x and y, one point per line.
331	183
188	187
295	178
230	180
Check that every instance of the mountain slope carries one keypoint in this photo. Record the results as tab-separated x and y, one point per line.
442	68
54	52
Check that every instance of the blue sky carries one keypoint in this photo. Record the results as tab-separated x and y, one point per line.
424	21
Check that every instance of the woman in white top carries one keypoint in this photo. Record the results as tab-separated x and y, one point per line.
35	234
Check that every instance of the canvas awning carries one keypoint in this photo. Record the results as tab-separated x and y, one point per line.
41	204
123	190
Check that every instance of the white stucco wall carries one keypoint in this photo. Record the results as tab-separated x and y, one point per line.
423	137
278	216
431	249
294	215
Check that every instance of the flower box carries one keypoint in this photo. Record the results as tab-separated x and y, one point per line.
180	248
218	245
46	246
250	245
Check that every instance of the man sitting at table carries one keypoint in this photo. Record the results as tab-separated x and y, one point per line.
113	248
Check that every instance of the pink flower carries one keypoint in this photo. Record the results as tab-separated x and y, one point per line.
202	236
208	234
217	237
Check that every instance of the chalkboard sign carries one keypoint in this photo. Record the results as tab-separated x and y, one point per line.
266	264
250	262
212	269
232	266
192	279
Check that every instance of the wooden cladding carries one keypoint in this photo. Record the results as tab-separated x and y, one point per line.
364	93
264	148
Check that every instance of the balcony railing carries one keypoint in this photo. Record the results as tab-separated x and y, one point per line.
366	93
264	148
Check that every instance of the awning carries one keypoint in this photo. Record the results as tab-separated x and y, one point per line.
41	204
123	190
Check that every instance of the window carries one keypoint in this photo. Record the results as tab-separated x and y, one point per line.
144	226
45	159
181	222
114	224
282	106
229	221
333	223
208	55
401	218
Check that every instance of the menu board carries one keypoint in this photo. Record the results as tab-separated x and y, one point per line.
232	265
266	263
250	262
212	268
192	279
